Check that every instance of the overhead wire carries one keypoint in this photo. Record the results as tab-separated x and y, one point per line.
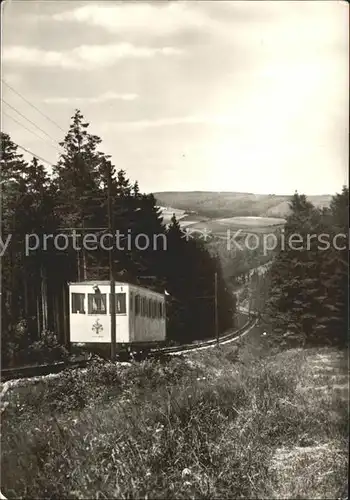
31	131
30	121
32	105
33	154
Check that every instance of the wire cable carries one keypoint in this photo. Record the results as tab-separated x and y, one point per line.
30	121
31	131
32	105
33	154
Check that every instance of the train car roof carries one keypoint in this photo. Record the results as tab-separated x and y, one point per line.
117	283
96	282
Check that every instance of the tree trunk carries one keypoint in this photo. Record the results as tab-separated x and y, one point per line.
43	297
84	265
38	313
78	259
26	301
65	316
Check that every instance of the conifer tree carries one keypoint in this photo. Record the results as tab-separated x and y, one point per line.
333	325
12	193
308	290
293	274
190	275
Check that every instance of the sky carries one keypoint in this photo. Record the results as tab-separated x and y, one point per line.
244	96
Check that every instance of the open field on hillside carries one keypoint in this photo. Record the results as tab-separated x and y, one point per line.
229	204
252	221
168	212
227	228
244	224
196	223
184	218
229	422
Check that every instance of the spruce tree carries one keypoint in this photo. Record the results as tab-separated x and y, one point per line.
333	326
308	301
294	276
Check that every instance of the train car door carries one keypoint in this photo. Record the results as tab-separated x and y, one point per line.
132	321
121	316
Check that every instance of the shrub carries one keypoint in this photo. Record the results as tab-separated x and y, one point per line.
45	350
199	428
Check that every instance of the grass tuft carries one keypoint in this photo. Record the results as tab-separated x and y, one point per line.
233	422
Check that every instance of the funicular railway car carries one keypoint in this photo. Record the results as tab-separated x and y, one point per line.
140	314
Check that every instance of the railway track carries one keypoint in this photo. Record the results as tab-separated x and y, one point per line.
37	370
224	339
8	374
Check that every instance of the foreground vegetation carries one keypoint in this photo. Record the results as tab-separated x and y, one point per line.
234	422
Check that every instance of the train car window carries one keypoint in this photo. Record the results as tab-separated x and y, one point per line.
120	303
159	310
150	310
131	302
154	308
144	306
97	303
78	303
137	304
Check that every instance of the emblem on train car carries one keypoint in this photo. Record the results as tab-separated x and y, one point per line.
97	326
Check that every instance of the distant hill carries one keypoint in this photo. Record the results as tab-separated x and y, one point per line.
229	204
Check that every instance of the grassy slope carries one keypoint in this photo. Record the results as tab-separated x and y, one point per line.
227	204
229	423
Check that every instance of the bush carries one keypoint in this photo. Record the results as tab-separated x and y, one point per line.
202	428
19	349
45	350
15	342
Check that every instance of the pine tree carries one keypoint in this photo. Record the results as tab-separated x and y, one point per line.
39	263
190	276
77	197
78	179
294	277
78	174
26	209
308	301
333	326
12	193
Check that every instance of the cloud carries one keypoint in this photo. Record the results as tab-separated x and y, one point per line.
226	20
84	57
173	121
161	19
107	96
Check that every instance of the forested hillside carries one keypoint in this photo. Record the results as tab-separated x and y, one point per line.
34	282
308	303
308	296
229	204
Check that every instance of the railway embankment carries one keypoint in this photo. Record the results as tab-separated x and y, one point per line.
234	421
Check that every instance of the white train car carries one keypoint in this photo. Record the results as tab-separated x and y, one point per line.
140	313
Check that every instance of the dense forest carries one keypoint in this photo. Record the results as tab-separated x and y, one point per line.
34	301
303	298
309	281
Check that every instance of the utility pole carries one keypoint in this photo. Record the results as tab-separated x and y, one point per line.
111	265
84	256
216	309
